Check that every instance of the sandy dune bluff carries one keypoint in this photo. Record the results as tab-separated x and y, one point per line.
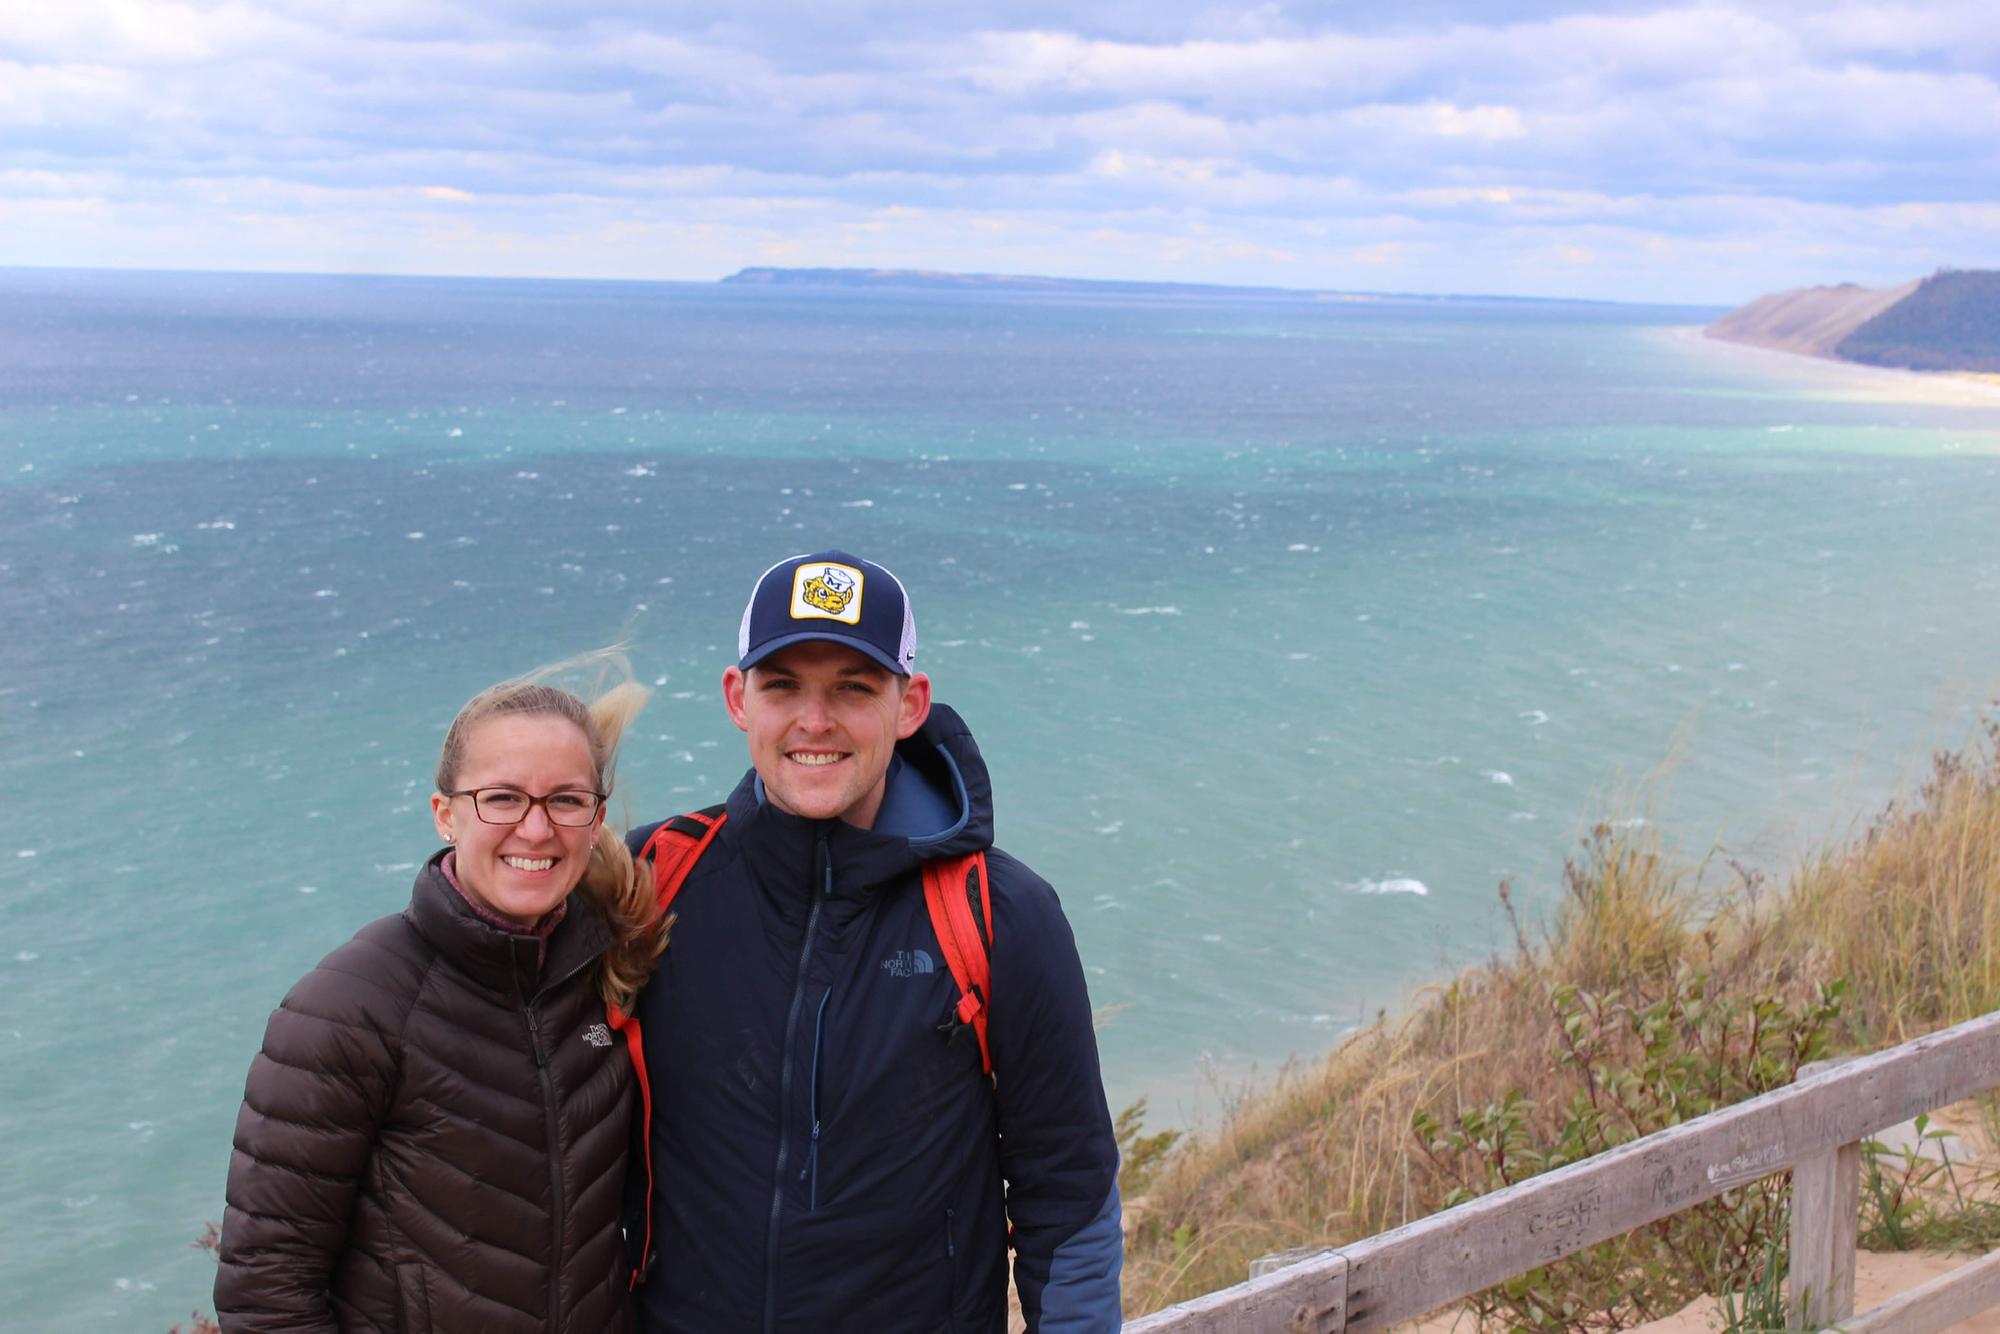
1810	320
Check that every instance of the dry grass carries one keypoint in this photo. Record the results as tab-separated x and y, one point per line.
1908	911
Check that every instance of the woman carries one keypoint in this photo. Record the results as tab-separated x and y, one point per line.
434	1135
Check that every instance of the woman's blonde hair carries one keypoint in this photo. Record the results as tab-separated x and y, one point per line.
621	891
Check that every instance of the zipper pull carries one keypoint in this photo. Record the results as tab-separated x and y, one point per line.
812	1153
826	867
535	1039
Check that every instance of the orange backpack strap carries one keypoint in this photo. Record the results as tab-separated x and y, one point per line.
673	850
676	846
961	907
635	1048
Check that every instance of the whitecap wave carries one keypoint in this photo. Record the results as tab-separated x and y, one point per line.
1400	884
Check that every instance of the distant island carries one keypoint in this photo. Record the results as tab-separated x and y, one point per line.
938	281
1949	321
932	280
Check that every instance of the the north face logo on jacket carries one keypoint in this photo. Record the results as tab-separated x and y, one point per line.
597	1035
909	963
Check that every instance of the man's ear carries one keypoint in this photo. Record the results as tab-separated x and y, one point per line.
733	681
916	706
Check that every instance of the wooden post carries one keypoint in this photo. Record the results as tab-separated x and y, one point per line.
1826	1207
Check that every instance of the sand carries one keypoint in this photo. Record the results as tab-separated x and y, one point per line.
1811	320
1847	381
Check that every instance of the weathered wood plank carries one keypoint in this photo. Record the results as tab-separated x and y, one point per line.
1938	1304
1449	1256
1306	1298
1826	1202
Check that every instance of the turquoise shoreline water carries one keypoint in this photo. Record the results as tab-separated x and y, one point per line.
1289	630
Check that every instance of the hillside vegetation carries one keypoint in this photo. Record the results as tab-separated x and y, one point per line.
1951	322
1661	990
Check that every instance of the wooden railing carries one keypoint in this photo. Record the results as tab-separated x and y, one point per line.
1813	1128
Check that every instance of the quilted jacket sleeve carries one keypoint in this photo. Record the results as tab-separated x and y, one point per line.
317	1092
1058	1152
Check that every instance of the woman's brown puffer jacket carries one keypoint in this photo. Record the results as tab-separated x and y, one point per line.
433	1138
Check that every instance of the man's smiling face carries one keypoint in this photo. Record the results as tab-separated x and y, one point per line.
823	722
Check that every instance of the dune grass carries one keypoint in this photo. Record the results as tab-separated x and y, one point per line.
1702	975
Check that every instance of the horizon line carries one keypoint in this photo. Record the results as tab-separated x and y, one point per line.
876	278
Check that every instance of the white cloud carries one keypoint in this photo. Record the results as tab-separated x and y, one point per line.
1234	72
1442	119
1249	145
145	34
1962	30
64	94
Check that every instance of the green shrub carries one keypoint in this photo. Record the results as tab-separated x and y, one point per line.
1911	1201
1641	1063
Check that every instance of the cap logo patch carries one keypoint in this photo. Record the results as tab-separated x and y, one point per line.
823	591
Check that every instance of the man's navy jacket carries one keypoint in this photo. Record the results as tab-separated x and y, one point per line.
826	1152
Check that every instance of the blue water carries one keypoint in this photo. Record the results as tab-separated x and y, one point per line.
1289	629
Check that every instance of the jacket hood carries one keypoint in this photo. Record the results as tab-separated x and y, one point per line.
939	803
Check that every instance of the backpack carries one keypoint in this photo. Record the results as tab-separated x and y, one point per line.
961	910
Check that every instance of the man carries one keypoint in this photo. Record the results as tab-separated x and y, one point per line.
826	1151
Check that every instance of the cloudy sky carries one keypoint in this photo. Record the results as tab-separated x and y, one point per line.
1643	151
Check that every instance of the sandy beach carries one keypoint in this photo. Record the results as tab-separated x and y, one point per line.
1847	381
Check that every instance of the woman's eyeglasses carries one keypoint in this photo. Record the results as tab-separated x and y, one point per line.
571	806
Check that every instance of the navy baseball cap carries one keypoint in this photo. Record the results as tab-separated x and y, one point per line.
831	596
